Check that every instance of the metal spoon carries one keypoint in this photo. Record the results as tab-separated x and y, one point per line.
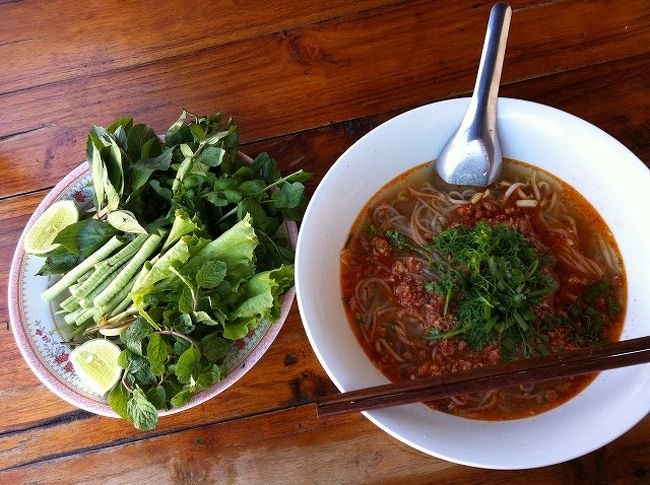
472	156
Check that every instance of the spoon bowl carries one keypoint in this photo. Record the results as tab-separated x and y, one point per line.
472	156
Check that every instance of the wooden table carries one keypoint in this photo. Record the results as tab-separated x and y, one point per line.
304	80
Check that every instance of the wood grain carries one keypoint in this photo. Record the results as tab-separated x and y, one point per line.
304	82
138	31
287	375
345	68
293	446
315	150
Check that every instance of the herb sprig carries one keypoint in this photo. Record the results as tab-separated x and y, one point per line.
493	276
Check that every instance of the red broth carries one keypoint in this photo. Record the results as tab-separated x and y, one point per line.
394	306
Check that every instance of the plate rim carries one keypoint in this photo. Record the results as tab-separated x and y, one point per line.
72	396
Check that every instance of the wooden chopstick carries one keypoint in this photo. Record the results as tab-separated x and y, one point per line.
521	372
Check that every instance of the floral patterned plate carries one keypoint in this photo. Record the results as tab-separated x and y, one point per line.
36	327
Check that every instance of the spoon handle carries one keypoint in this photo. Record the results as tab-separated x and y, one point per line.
486	90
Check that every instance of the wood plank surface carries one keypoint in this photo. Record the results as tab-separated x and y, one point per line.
287	375
293	446
315	150
304	81
340	69
137	30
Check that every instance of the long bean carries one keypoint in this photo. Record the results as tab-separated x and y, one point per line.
98	256
70	304
87	301
84	276
132	267
70	318
86	315
105	268
116	301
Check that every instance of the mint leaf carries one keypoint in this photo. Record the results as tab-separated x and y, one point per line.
157	352
141	412
205	318
118	399
214	347
211	274
182	398
289	196
188	363
158	397
212	156
186	301
208	378
132	337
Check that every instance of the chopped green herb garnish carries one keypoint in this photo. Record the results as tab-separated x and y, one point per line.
496	278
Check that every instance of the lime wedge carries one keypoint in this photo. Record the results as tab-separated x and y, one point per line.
96	364
40	238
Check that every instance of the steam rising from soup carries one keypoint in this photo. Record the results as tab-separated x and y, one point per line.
437	281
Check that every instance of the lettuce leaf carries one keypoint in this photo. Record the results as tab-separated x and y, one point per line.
261	301
235	248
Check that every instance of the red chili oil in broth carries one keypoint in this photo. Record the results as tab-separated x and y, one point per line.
368	254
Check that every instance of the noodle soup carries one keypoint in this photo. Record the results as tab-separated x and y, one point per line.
437	281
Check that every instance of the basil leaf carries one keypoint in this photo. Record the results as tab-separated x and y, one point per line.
85	237
164	192
125	221
138	136
60	261
141	412
174	129
142	169
125	123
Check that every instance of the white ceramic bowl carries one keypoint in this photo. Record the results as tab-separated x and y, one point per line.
602	169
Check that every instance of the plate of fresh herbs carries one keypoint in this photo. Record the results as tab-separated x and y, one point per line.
179	267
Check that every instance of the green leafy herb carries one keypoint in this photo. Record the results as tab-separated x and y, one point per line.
141	412
495	278
183	252
60	261
157	353
85	236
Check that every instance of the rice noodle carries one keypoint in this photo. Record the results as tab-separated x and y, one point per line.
511	189
390	350
533	183
387	301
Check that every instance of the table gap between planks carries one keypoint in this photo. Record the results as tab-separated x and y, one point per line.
304	84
